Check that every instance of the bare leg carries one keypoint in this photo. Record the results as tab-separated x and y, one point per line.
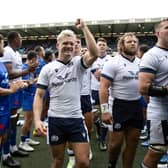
57	155
132	138
81	151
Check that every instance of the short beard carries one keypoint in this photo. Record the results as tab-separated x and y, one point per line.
130	52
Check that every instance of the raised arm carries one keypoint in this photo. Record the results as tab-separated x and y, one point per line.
92	54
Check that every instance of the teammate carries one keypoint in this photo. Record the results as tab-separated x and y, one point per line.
63	79
27	104
5	90
153	81
48	56
86	105
142	49
120	74
13	62
95	85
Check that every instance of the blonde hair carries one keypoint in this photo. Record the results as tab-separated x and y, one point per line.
66	33
120	44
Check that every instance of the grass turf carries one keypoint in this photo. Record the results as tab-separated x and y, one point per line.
40	158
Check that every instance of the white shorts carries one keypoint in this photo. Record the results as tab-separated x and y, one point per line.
158	132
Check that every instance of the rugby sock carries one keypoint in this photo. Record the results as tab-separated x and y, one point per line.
97	124
71	156
13	135
23	138
112	163
28	135
70	152
103	133
6	145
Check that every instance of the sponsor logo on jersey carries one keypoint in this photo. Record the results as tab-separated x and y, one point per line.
132	75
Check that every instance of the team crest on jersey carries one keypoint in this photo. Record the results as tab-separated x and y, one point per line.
117	126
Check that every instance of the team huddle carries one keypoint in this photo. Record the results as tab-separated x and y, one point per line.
82	86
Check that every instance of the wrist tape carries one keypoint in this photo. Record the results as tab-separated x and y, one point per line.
104	108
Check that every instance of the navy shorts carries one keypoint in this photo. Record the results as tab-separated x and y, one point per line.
95	97
86	105
62	130
127	114
4	124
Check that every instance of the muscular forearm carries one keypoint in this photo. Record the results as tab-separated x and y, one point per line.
91	44
37	107
103	94
13	75
4	92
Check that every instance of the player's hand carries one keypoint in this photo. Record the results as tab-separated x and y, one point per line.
80	24
14	86
97	74
40	129
107	118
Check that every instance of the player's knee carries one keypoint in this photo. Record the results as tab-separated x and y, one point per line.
114	146
158	148
83	163
28	121
57	162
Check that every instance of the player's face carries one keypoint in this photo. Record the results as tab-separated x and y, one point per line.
66	46
32	61
163	32
130	45
18	41
83	51
42	52
77	46
102	47
1	47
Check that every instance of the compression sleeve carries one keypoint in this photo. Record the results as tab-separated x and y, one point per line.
157	91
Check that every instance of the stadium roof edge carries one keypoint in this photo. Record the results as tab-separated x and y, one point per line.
94	22
100	28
